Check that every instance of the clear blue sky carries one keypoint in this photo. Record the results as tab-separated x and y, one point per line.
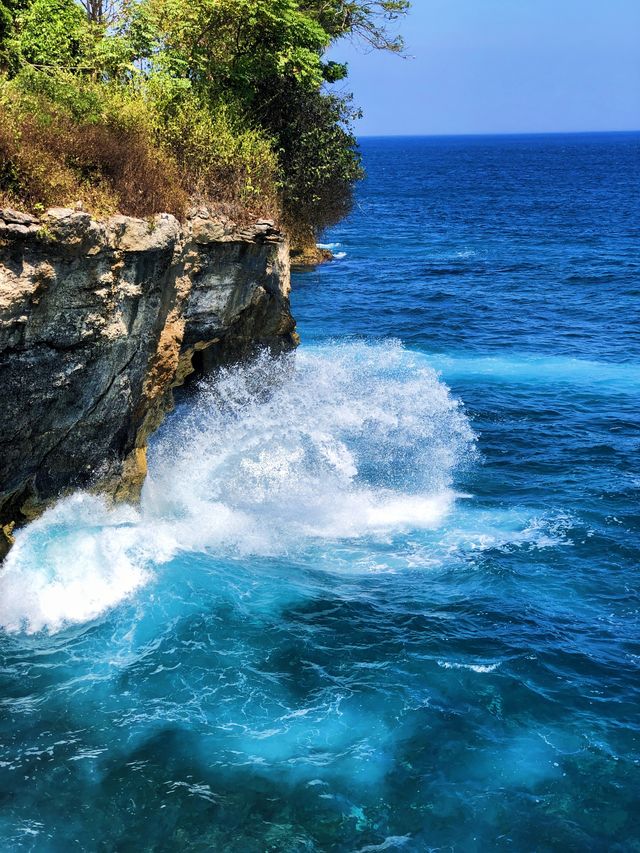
503	66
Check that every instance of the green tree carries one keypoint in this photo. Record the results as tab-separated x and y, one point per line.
9	10
52	33
266	57
368	20
319	157
232	47
236	94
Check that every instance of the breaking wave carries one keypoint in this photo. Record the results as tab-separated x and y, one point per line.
340	442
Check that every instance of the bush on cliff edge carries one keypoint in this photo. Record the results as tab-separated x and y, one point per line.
150	105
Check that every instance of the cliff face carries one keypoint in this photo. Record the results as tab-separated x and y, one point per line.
99	321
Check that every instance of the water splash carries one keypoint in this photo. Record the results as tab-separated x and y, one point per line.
331	247
341	442
76	561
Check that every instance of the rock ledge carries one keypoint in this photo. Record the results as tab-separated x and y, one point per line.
100	320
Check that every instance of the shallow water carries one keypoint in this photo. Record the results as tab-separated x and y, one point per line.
380	594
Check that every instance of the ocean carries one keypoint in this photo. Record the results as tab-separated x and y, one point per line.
381	593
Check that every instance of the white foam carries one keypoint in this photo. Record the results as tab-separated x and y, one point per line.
79	559
351	439
331	247
339	442
473	667
392	842
476	530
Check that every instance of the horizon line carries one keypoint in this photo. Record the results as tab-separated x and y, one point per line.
493	133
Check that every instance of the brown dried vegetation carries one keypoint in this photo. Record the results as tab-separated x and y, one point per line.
52	160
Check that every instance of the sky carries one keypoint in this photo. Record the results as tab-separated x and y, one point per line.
503	66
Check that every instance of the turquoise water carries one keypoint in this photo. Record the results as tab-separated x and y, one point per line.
380	594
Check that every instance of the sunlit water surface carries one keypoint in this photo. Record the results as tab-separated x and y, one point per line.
381	594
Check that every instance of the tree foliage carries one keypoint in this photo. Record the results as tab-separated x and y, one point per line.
365	19
52	33
235	94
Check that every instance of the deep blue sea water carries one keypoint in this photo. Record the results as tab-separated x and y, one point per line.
381	594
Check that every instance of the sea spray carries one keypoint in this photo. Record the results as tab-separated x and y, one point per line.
330	442
343	441
470	685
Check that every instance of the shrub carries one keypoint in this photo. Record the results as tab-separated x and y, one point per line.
31	176
219	160
144	105
319	159
137	149
52	33
49	158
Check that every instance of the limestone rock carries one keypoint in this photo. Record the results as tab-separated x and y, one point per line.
141	235
310	256
8	214
99	321
205	230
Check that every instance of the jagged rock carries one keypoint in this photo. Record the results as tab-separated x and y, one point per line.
207	231
141	235
72	231
11	215
14	230
310	256
98	322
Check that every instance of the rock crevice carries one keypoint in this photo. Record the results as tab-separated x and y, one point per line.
99	321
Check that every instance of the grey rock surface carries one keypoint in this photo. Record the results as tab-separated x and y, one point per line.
99	321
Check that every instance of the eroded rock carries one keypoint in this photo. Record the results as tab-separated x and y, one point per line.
99	321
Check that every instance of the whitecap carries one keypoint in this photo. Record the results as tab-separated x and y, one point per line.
345	441
473	667
69	566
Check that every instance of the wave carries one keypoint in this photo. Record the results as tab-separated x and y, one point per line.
473	667
331	247
76	561
340	442
600	376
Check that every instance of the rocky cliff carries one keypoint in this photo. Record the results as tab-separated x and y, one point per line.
99	321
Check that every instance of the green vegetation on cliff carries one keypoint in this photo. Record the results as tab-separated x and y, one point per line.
144	106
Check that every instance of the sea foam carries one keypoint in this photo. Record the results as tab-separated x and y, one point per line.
339	442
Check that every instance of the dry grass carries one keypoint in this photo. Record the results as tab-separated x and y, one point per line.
123	155
53	161
228	167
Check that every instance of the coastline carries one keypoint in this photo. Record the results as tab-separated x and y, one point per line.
309	257
100	320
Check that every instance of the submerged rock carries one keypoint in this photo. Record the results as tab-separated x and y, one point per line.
99	321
